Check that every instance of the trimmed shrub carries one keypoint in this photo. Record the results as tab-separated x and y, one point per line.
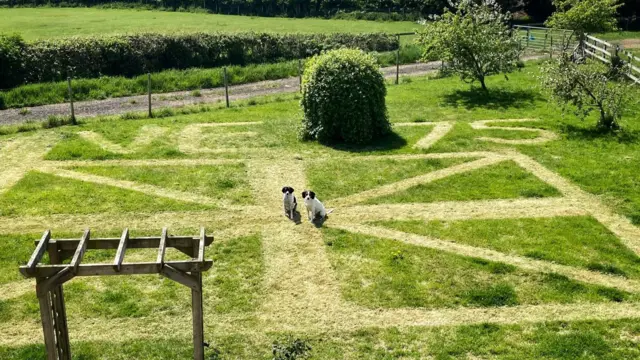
343	98
130	55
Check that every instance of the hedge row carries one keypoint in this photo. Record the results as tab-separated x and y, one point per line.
130	55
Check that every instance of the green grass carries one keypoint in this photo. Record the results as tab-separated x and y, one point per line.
573	241
619	35
371	272
44	194
236	279
505	180
577	340
227	182
377	273
46	23
356	176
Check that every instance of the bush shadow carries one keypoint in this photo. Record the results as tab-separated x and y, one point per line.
490	99
392	141
573	132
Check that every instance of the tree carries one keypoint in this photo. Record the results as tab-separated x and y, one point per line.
474	40
587	87
585	15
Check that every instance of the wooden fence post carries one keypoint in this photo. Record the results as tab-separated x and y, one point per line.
73	114
149	93
398	62
226	86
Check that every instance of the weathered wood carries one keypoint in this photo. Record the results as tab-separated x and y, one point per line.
60	324
122	248
141	268
52	282
162	248
39	251
132	243
180	277
80	250
46	316
199	255
196	307
51	277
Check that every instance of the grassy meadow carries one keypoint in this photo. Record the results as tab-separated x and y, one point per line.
451	286
49	23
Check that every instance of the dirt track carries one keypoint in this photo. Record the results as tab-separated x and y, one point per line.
138	103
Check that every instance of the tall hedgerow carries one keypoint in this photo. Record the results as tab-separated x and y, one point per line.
131	55
343	98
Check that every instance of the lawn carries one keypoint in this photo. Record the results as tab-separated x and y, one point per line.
47	23
481	244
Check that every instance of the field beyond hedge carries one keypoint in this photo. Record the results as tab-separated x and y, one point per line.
48	23
488	225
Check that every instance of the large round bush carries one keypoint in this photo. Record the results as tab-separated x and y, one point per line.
343	98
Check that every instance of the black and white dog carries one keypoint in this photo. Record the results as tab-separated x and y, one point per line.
289	202
314	207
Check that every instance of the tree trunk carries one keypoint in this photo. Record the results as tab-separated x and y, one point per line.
484	86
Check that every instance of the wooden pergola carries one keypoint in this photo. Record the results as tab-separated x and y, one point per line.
50	277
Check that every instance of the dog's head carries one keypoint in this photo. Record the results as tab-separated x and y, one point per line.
308	195
288	190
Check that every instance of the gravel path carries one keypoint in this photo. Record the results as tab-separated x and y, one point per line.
121	105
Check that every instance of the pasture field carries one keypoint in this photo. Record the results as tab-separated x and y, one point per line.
487	226
48	23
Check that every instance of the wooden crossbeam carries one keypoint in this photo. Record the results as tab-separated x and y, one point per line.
122	248
180	277
44	271
80	250
162	248
39	251
132	243
59	278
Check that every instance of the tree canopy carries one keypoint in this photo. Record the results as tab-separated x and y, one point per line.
474	39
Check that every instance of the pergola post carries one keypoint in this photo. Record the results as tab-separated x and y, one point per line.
196	301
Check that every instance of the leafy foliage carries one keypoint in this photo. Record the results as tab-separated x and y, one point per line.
130	55
474	40
290	349
343	98
585	15
587	87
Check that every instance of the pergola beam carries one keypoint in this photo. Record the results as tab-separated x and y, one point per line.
162	248
139	268
180	277
122	248
38	253
80	250
132	243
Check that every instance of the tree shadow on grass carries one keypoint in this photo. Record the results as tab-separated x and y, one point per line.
491	99
589	133
392	141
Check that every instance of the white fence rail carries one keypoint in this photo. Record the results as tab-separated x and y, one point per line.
605	52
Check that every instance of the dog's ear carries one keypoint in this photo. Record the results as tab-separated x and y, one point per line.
304	194
290	188
284	189
312	194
